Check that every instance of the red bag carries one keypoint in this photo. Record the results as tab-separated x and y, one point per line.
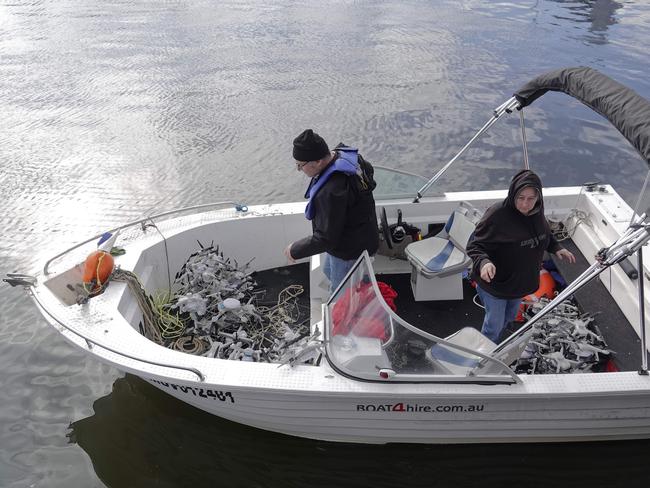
358	311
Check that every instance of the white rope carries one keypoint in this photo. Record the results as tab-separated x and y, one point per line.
564	229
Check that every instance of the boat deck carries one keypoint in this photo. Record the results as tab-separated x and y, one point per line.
274	281
596	300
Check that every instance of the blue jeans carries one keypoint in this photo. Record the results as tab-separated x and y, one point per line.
335	269
498	312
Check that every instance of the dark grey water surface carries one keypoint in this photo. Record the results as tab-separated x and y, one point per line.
112	108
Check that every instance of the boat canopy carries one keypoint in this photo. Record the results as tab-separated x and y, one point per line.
367	340
624	108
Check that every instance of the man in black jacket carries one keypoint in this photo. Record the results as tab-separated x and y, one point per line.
341	206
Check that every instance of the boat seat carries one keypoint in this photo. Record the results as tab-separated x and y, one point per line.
455	361
437	263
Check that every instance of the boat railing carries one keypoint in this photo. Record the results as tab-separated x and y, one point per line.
93	342
142	222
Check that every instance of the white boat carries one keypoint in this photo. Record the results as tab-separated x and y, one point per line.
462	388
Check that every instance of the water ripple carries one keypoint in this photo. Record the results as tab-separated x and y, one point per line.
115	109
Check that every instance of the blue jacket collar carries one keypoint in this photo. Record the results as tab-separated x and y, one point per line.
347	161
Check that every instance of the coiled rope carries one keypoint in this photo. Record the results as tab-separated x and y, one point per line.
158	322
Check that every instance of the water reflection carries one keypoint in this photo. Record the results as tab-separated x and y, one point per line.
600	14
149	438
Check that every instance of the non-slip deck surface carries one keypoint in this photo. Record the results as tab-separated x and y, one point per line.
596	300
273	281
441	318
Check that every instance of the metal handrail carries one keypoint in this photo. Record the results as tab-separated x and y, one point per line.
119	353
135	222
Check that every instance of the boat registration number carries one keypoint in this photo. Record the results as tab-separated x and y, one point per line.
198	392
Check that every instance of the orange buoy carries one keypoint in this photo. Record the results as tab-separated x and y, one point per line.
97	269
546	289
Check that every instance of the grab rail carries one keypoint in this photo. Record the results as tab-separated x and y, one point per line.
135	222
119	353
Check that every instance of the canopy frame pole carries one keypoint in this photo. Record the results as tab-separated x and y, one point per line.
641	285
523	138
507	107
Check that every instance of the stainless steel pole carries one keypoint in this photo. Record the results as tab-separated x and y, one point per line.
641	286
506	107
523	138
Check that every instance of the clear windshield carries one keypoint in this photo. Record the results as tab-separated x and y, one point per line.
367	340
393	183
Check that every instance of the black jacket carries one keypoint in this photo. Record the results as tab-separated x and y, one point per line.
345	220
513	242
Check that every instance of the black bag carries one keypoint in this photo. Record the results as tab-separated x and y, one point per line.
367	171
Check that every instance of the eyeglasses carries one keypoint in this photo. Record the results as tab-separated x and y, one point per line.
300	165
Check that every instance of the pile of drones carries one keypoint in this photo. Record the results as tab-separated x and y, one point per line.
219	311
564	341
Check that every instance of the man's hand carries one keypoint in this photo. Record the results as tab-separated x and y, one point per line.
488	270
566	255
287	253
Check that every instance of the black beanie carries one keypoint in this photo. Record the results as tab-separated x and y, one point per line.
309	146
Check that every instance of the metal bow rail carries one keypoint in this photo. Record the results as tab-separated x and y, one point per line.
141	222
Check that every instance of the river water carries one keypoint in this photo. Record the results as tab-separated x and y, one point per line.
113	108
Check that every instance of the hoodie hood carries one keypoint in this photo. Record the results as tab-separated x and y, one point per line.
513	242
525	179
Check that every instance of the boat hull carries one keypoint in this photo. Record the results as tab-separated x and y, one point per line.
430	419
